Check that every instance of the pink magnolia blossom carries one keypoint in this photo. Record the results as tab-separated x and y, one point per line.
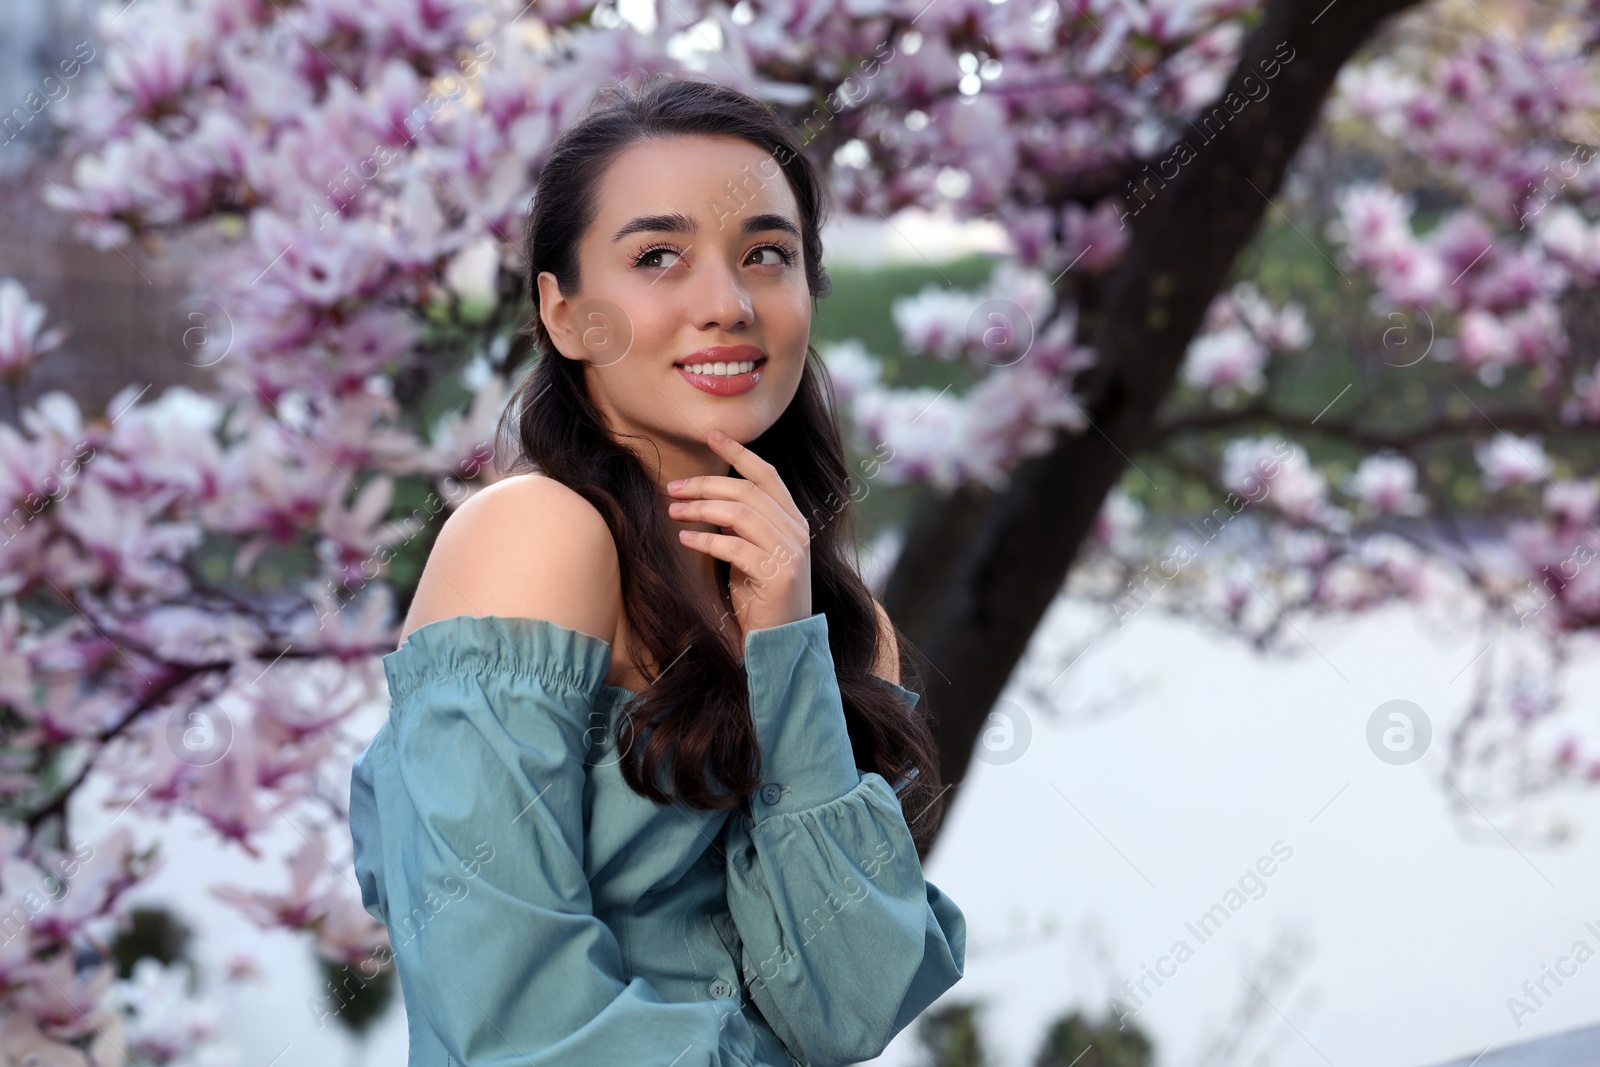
1508	460
1573	502
22	338
304	904
934	321
380	156
1572	240
852	368
1262	471
1387	485
25	1042
1226	361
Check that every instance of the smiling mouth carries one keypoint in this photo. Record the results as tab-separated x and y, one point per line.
744	366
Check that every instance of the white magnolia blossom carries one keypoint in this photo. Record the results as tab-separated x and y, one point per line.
1377	92
1574	502
165	1024
1119	518
1508	460
851	367
934	321
1271	472
1241	333
1226	361
1386	484
1571	239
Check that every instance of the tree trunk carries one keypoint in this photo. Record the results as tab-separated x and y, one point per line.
979	567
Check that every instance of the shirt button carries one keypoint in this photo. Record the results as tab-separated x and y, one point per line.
721	988
717	858
770	792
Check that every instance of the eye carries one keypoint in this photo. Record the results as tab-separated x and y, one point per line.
652	252
787	254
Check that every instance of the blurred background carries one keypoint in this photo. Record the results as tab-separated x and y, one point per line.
1223	379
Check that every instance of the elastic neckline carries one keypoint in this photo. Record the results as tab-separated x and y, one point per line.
522	644
558	655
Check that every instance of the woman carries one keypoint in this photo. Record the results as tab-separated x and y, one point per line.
633	802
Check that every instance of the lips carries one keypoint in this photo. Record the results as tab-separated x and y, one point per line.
686	364
722	354
724	384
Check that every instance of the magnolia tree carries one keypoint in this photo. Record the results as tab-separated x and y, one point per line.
197	586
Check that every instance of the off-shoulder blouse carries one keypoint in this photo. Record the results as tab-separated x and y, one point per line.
542	913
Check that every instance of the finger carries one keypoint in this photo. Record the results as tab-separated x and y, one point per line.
736	516
740	491
756	470
752	560
735	550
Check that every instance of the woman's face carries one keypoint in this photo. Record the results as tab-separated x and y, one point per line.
695	246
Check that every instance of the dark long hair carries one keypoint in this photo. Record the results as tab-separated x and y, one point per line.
698	712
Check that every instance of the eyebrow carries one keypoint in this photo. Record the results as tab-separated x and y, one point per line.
677	222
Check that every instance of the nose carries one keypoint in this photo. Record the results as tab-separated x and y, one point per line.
723	300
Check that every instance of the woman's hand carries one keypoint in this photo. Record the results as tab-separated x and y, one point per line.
764	538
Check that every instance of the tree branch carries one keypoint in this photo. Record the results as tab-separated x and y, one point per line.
1518	420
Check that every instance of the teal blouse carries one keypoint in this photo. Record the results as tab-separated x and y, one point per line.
542	913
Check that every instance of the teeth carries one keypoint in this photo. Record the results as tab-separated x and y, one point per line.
722	370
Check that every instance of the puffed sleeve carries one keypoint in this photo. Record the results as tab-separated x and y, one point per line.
467	815
844	941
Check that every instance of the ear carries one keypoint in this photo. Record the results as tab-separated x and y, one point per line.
555	311
888	665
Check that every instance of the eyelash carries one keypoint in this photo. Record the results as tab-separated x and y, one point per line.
789	255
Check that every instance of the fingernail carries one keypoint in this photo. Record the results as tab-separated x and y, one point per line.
678	484
718	436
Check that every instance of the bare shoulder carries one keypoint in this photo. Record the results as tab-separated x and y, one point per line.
525	546
888	647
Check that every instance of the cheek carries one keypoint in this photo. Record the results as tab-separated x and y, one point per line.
648	334
792	314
